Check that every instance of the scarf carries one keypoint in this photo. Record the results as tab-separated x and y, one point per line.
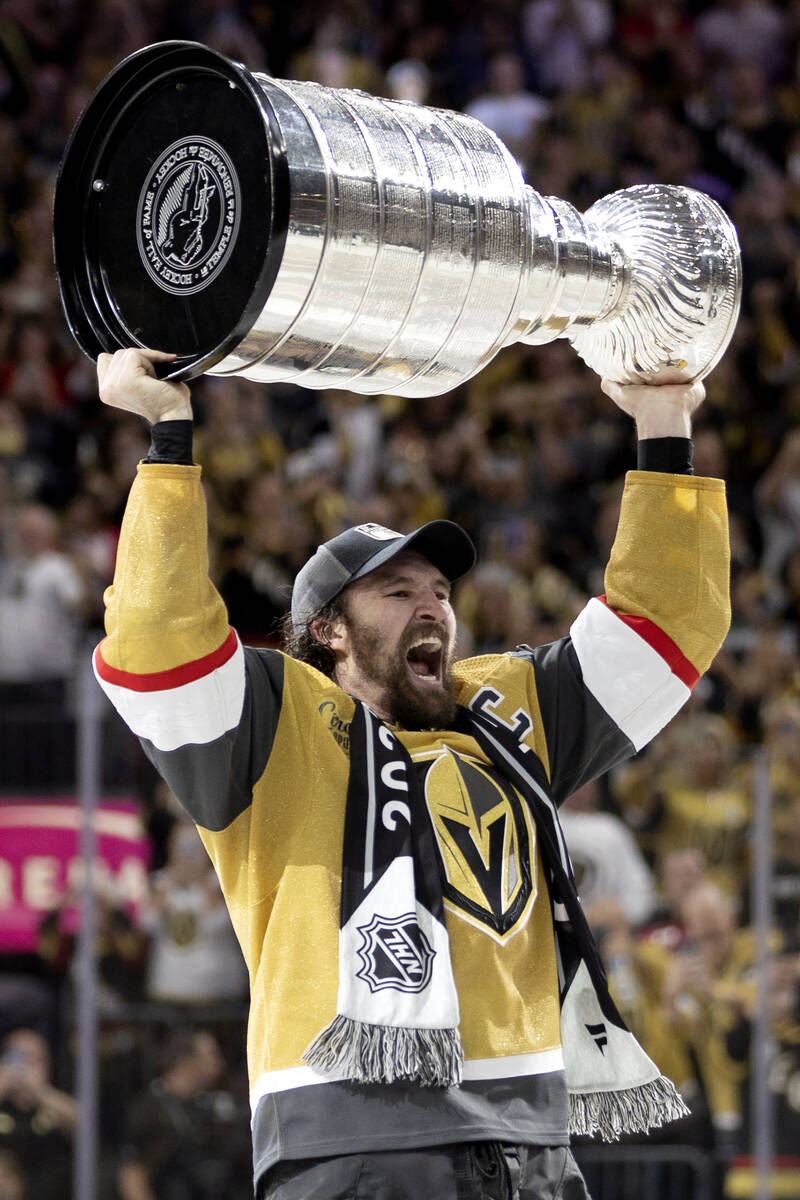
397	1010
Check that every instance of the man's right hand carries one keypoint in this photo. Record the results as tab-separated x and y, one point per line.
127	380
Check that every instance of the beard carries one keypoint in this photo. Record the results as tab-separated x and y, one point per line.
412	705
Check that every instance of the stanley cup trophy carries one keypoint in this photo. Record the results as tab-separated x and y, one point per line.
287	231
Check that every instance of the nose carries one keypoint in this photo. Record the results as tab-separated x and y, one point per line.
431	607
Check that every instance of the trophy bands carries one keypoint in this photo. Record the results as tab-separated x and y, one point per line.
287	231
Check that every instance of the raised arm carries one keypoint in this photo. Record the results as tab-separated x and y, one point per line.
162	613
170	664
635	654
670	563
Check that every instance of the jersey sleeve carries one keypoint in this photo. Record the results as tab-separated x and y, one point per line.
203	707
634	655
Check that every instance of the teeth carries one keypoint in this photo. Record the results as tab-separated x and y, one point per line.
433	643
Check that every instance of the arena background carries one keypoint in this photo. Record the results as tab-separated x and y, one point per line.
698	917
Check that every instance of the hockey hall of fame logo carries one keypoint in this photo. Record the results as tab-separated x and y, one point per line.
395	953
188	215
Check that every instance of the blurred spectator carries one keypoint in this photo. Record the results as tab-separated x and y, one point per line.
41	597
357	428
692	800
596	119
121	951
607	862
560	35
650	35
411	490
194	956
33	287
768	670
408	79
90	540
779	502
770	243
42	601
786	877
256	566
12	1180
783	1050
185	1138
117	30
492	604
735	31
121	948
334	57
36	1119
638	973
681	871
709	985
161	812
790	589
507	106
31	375
235	443
229	31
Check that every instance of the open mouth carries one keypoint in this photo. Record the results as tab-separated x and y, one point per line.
425	659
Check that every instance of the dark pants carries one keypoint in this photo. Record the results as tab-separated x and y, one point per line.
472	1171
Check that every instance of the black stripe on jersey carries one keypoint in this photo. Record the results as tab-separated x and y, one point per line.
214	782
583	741
351	1118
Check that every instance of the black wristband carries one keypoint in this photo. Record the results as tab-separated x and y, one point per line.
673	455
171	442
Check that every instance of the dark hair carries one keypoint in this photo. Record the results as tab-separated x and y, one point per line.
177	1047
304	646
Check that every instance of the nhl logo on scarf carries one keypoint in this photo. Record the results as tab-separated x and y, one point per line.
395	953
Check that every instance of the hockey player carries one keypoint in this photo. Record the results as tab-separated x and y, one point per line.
429	1016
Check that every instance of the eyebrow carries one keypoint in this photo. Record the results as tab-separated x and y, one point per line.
392	580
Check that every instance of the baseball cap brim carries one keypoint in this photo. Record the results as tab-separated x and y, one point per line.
443	543
325	575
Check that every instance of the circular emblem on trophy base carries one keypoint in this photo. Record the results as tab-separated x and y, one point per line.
171	208
187	219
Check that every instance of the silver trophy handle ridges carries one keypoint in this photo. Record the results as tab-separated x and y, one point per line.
407	249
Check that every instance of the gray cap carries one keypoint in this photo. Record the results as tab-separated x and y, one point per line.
364	548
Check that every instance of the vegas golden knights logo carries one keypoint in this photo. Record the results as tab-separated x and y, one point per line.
486	841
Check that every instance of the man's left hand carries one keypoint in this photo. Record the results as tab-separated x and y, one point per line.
659	409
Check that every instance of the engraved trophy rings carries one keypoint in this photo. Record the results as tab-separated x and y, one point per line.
286	231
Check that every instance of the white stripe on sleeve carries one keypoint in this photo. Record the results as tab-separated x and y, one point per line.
625	674
194	714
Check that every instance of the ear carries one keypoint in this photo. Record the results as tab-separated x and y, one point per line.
329	633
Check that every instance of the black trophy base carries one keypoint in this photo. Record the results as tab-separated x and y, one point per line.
171	208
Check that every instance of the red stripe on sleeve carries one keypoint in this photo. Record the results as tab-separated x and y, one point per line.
176	677
662	643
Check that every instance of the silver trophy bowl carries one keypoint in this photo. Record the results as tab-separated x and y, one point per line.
286	231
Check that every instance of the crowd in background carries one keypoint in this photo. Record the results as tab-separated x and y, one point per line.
529	456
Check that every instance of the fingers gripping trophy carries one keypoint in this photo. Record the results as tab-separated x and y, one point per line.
286	231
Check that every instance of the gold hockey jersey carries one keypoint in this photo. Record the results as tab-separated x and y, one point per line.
255	745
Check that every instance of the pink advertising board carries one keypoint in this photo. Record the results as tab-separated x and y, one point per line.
40	860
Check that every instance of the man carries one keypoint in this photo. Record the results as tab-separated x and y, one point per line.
37	1120
349	800
184	1135
42	604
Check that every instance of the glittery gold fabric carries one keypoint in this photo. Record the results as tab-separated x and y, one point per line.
162	610
279	861
671	560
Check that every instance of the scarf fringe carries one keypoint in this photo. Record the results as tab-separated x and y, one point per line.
365	1053
632	1110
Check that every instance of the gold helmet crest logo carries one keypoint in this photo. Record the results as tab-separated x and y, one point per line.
486	841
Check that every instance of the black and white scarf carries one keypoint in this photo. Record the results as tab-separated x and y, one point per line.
397	1013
